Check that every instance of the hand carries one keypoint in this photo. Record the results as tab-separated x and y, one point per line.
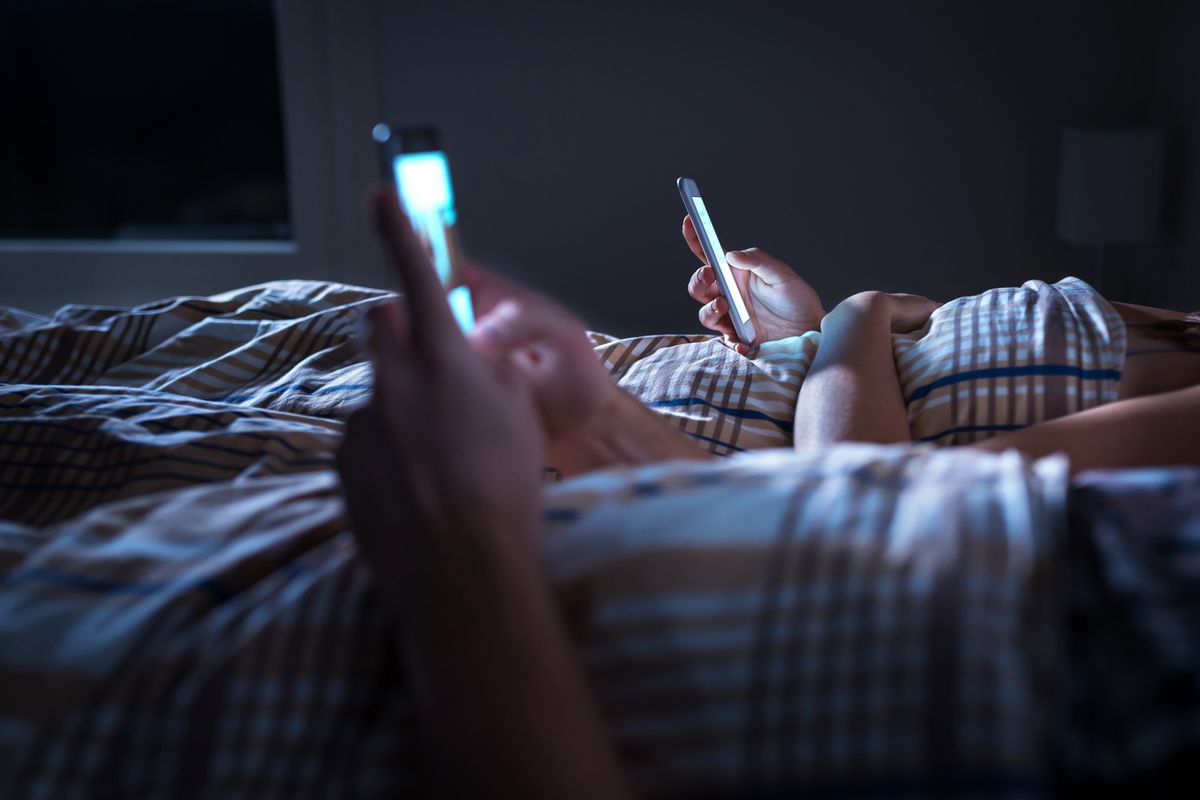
904	313
442	472
547	345
449	447
781	303
852	391
909	312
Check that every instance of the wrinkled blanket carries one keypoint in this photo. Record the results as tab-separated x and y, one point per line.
183	612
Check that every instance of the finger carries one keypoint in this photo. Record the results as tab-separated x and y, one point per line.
386	329
431	323
736	345
765	266
512	324
488	289
715	317
362	326
693	241
371	474
703	285
388	343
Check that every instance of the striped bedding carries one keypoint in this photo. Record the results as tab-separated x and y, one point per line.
1132	714
868	621
856	622
982	365
182	612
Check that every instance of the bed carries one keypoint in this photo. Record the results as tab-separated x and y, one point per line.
183	611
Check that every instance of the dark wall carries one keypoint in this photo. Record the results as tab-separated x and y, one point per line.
903	146
1176	260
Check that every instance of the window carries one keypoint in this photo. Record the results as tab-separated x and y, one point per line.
141	119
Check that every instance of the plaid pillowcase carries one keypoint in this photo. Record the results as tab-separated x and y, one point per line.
982	365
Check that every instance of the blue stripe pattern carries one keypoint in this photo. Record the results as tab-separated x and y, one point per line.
1010	372
741	413
711	440
298	387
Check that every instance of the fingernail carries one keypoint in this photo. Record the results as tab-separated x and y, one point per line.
491	329
507	311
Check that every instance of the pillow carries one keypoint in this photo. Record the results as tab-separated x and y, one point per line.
981	365
728	402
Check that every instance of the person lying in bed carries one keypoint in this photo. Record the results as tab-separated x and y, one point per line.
1159	353
853	392
453	441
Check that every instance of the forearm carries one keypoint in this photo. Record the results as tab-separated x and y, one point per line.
1158	430
624	432
497	683
852	392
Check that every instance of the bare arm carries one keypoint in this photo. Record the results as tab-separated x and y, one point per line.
441	472
1157	430
852	392
506	702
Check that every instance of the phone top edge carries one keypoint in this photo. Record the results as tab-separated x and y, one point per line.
411	138
393	141
687	186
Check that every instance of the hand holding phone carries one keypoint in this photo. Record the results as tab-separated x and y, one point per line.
778	302
412	159
739	312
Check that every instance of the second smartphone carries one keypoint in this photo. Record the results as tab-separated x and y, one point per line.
412	158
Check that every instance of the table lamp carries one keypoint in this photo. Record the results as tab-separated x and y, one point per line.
1109	188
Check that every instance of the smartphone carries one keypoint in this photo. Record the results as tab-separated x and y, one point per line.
412	158
739	313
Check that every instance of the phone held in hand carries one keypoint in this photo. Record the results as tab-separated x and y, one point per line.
411	157
739	313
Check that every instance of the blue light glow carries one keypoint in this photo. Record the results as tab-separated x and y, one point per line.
423	183
460	305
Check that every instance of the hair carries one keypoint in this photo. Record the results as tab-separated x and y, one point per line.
1183	332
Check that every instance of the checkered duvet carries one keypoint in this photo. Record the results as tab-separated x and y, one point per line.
182	612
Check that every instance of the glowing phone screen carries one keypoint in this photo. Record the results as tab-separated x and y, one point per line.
423	183
718	253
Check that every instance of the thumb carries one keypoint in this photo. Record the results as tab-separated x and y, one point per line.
509	325
765	266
